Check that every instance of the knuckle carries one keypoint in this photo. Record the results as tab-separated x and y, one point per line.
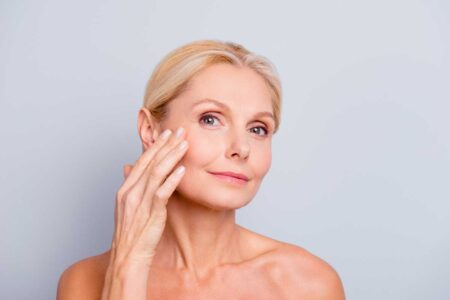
160	213
120	193
138	161
160	195
119	202
131	198
158	171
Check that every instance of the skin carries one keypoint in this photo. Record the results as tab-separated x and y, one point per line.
203	253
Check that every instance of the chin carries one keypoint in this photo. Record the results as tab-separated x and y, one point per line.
224	204
215	198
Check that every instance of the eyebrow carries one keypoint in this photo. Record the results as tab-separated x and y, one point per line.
225	107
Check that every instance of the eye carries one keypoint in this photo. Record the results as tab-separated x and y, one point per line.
266	132
208	119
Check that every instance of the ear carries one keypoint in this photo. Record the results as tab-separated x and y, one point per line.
148	128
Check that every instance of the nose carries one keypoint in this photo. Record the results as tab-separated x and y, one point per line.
238	147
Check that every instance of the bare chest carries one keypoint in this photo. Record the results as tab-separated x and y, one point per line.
242	284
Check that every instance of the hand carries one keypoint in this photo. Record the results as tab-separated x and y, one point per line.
140	216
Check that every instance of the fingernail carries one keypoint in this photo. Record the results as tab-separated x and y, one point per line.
183	144
180	131
166	133
180	170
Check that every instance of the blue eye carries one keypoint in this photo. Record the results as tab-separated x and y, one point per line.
265	130
208	119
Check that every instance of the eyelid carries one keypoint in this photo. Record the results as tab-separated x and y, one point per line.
267	127
211	113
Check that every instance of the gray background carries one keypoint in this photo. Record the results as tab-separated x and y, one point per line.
361	163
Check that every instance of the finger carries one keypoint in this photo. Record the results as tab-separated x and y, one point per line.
143	161
133	175
138	189
136	192
126	170
164	192
158	176
154	225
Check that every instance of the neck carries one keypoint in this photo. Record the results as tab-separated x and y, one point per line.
197	238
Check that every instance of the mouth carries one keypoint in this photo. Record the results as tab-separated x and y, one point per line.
231	177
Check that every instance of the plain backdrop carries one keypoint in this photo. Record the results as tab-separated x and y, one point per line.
361	164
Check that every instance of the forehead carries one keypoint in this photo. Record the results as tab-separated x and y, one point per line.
237	87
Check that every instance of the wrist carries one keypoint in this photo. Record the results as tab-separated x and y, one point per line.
128	282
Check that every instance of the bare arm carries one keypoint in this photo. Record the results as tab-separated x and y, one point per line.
140	217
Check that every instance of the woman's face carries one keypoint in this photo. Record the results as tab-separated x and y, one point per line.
230	132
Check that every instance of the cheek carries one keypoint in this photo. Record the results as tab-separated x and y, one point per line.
202	150
205	149
262	160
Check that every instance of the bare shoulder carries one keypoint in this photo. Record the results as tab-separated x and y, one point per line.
294	270
83	279
303	274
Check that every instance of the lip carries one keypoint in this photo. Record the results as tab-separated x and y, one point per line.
231	174
231	177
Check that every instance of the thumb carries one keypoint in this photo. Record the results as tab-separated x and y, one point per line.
126	170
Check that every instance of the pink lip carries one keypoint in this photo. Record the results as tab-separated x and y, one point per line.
232	179
231	174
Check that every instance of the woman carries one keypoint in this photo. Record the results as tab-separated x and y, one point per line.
210	110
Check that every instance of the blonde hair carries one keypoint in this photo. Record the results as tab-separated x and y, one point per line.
172	75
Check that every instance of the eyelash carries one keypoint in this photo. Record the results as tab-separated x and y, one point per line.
213	116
